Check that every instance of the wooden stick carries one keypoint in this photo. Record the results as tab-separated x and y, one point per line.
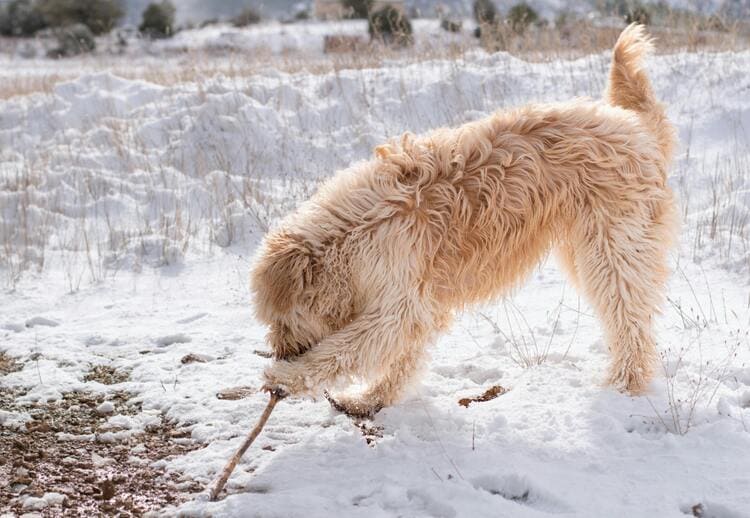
276	396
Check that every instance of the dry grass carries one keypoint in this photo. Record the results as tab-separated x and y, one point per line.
568	40
580	38
106	375
91	240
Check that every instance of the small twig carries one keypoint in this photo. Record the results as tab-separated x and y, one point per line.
36	357
276	396
491	322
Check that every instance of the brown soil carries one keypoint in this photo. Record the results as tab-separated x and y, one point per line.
8	364
97	478
106	375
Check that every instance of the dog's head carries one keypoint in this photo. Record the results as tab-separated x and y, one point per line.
301	293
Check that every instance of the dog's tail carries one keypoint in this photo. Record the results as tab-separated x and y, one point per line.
630	88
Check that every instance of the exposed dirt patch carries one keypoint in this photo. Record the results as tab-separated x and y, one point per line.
93	475
370	433
106	375
8	364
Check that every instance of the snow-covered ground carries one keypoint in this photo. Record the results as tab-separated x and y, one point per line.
135	209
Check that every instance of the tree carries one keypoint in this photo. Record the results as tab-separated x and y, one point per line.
391	26
485	12
357	8
100	16
21	18
73	40
158	20
248	16
521	16
638	13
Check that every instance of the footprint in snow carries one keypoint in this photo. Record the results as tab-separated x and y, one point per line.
520	490
419	499
41	321
14	326
178	338
476	373
193	318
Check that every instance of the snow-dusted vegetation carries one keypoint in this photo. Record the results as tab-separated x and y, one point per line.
134	188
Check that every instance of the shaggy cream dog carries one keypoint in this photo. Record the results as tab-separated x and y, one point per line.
365	274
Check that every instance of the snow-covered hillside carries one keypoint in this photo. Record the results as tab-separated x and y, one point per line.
135	209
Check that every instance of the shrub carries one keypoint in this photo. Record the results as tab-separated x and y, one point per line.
21	18
638	13
493	36
485	12
100	16
616	7
713	23
248	16
450	25
73	40
158	20
357	8
521	16
391	26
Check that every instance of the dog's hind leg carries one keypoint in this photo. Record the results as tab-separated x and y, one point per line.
621	265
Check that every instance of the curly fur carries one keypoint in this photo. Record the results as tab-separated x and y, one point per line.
368	271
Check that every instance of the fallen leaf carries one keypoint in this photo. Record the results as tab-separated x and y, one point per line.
195	358
235	393
488	395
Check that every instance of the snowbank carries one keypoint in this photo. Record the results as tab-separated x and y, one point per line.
135	173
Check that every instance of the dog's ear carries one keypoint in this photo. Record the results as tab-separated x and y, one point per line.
283	272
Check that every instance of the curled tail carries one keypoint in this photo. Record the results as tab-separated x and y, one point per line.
630	88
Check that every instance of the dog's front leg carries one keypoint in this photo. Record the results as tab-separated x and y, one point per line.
402	368
349	351
378	344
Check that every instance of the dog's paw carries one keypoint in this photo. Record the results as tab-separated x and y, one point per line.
631	381
354	407
284	377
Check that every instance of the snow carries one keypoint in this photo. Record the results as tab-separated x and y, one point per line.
105	408
143	204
